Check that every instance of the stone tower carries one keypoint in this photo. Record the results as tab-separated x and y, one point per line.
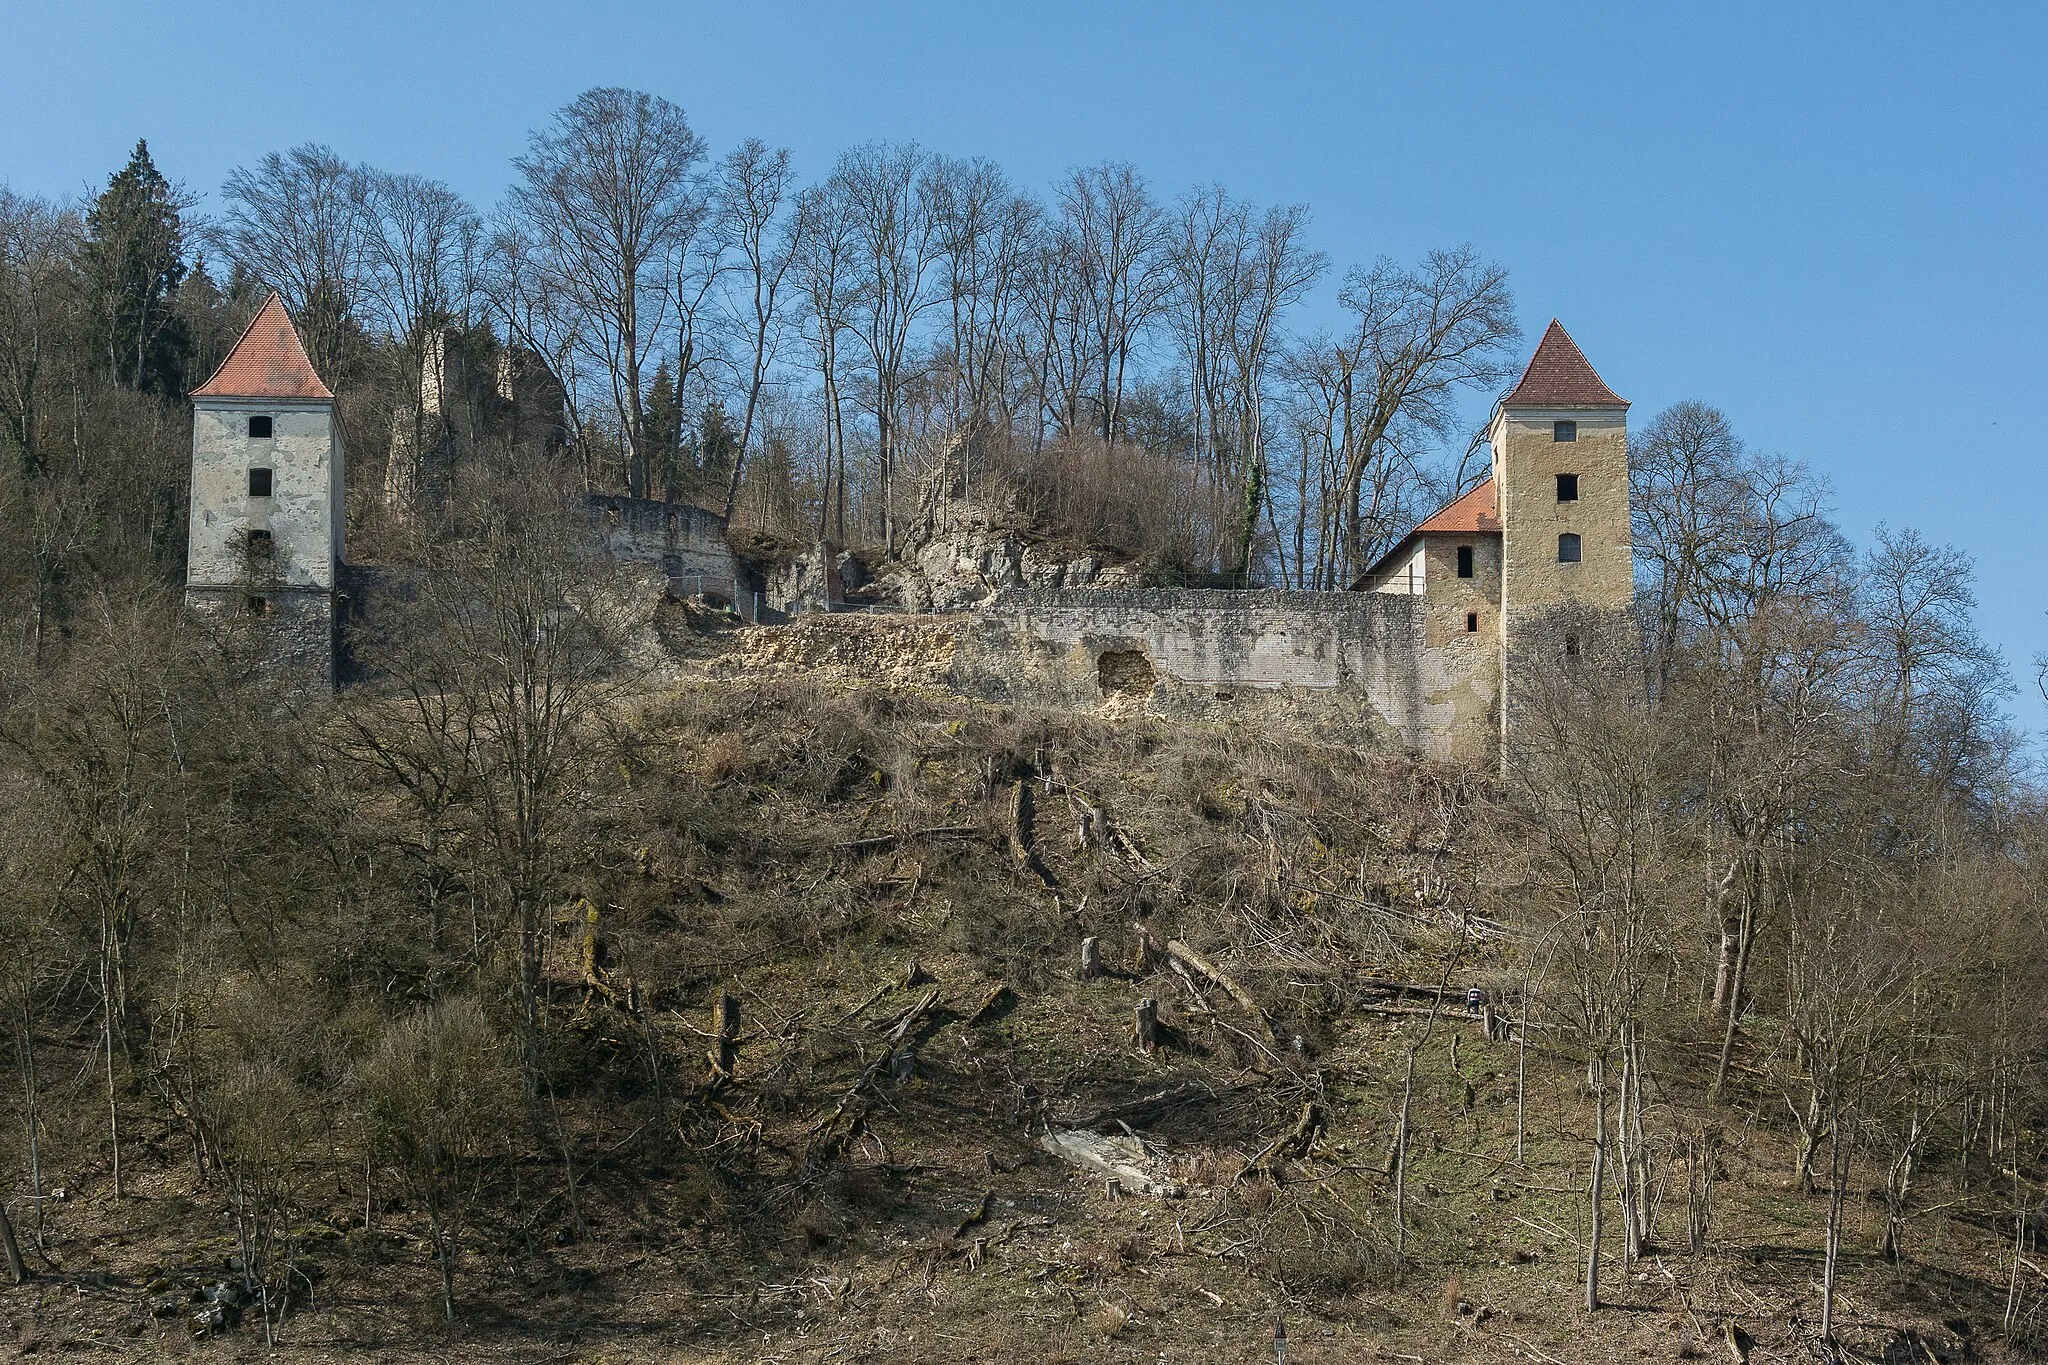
1560	467
266	516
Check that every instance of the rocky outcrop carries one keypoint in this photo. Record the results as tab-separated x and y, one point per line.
970	554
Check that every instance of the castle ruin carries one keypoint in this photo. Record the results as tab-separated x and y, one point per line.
1424	653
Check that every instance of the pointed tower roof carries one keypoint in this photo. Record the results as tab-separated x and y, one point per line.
1560	377
268	362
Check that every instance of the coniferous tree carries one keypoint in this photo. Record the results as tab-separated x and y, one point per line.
718	444
133	264
664	432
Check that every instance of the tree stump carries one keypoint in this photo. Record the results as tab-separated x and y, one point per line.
1091	958
1145	1025
1148	951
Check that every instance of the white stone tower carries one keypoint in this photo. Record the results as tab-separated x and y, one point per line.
266	514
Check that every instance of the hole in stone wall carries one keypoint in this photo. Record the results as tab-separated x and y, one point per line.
1124	672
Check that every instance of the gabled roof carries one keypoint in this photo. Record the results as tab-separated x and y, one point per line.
1560	377
1477	511
268	362
1475	514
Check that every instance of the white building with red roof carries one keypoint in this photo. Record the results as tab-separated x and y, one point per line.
266	531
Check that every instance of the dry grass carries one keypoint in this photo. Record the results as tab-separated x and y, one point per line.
772	841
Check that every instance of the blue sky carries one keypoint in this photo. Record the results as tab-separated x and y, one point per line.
1831	223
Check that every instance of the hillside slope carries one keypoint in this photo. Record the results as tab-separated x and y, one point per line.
892	889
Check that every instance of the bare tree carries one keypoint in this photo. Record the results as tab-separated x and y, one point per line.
754	192
1271	271
888	196
1055	333
1120	276
539	320
1593	768
38	242
423	247
435	1095
507	630
1422	338
828	249
610	198
1689	503
987	231
297	221
1942	678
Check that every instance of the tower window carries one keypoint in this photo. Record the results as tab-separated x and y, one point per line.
259	428
1568	548
1464	561
1564	431
1567	488
1571	646
259	542
259	606
259	483
1471	623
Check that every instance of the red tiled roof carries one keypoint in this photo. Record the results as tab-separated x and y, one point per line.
1475	514
1560	377
1477	511
268	362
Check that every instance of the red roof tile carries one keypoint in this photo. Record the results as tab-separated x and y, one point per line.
268	362
1478	510
1477	513
1560	377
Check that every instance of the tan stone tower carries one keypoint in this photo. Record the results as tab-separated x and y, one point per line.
266	515
1560	465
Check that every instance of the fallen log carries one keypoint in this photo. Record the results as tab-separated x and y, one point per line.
831	1135
725	1038
1291	1145
980	1214
1115	1159
988	1004
1180	952
905	1021
1021	850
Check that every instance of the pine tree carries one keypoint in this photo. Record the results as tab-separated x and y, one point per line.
718	444
663	432
134	261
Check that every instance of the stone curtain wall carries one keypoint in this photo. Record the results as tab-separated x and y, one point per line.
1361	662
684	544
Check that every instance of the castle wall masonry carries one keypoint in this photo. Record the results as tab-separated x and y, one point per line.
1364	661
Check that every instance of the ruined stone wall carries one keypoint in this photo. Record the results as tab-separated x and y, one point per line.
1366	663
682	543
